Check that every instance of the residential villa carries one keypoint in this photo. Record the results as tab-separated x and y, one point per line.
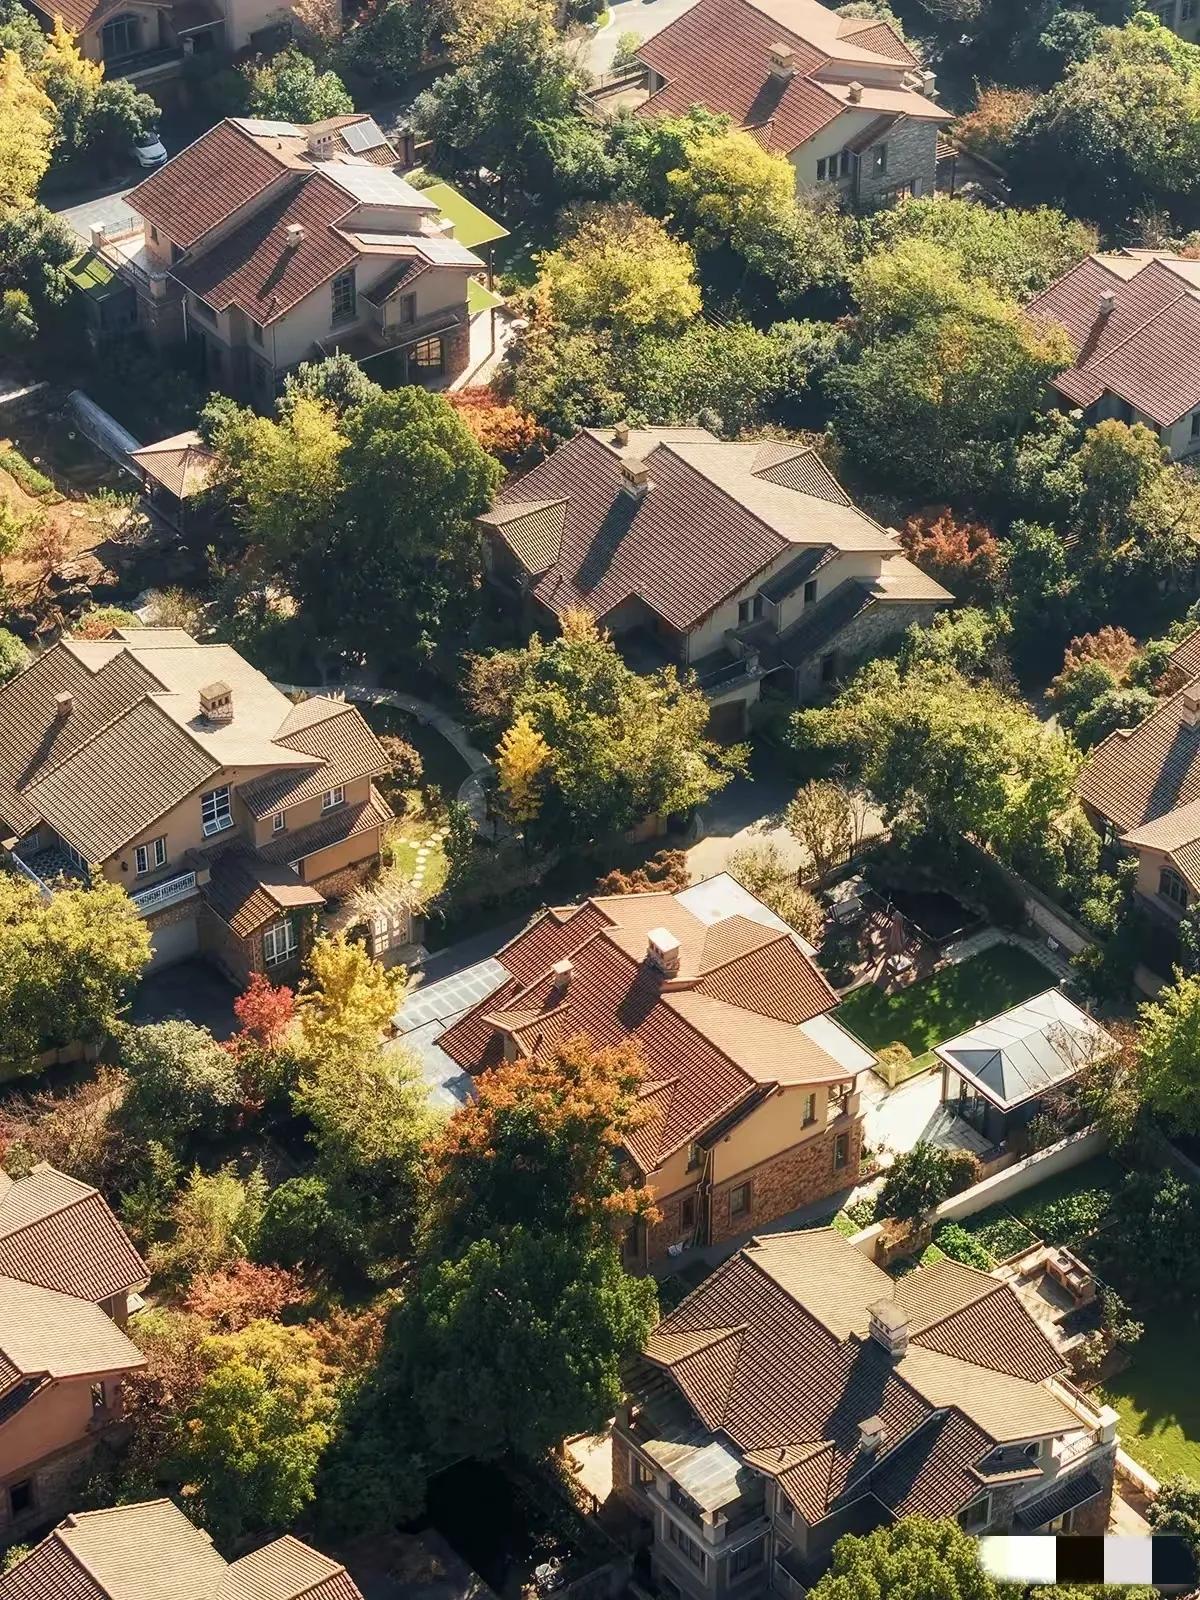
265	244
67	1271
148	41
152	1552
177	770
1140	788
746	562
750	1083
843	98
1181	16
1133	317
800	1393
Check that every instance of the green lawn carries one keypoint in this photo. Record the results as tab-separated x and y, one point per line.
1158	1399
445	769
946	1004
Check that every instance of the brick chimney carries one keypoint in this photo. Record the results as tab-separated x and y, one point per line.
637	478
64	704
889	1327
871	1434
216	702
1189	705
783	60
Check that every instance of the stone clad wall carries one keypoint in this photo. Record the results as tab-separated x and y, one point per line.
865	635
911	154
796	1177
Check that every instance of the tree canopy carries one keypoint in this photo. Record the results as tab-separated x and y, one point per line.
621	269
912	1559
289	88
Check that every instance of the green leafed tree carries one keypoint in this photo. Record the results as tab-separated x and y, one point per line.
913	1559
66	966
1168	1048
621	269
181	1082
289	88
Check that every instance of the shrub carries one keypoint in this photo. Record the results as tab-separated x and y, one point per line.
100	621
27	475
923	1177
1003	1236
406	766
1071	1219
953	1240
665	872
301	1228
217	1218
891	1060
181	1080
232	1297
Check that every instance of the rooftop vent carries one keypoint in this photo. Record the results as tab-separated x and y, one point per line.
1108	303
320	143
854	93
889	1327
216	702
620	434
783	60
562	971
295	235
1189	705
871	1434
637	478
928	83
64	704
662	951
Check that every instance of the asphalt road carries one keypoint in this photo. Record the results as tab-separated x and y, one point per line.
643	17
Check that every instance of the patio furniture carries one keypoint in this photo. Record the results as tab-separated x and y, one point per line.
1071	1273
847	901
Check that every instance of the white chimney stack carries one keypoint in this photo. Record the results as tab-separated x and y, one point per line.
637	478
871	1434
889	1327
216	702
854	93
662	951
621	435
1189	705
1108	303
561	971
783	60
295	235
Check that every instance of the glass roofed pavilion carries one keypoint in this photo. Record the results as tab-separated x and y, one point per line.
996	1076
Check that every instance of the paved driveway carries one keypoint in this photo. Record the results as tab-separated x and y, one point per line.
191	991
644	17
106	205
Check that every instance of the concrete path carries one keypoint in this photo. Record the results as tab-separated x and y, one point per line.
643	17
471	789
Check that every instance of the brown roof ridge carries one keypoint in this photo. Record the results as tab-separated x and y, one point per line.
55	1211
693	1341
668	445
1095	258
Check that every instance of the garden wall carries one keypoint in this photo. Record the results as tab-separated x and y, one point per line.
1046	915
1070	1152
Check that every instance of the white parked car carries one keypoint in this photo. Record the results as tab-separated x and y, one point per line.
149	150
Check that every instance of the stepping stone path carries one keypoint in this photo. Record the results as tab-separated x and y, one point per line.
423	853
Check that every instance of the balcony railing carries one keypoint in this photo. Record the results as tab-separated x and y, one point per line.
30	875
144	61
165	894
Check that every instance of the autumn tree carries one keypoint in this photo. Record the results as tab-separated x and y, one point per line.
619	268
987	129
665	872
26	134
253	1436
181	1082
66	965
216	1217
74	1129
761	868
623	745
348	997
823	818
539	1146
521	761
503	429
964	556
231	1297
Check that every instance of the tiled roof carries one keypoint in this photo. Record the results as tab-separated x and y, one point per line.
60	1335
1139	774
1146	350
58	1233
182	464
711	1042
714	516
255	267
247	891
1185	658
152	1552
796	1309
343	744
1070	1492
878	36
344	822
224	170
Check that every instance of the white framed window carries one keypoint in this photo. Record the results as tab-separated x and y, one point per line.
216	810
74	856
879	158
427	355
149	856
1172	887
333	798
278	822
279	942
977	1514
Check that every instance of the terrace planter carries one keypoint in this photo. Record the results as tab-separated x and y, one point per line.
899	1238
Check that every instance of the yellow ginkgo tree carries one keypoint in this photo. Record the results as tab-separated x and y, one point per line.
522	760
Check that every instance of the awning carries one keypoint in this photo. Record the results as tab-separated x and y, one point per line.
1064	1497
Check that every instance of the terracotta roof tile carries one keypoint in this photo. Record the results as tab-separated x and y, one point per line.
1139	774
258	270
342	742
1185	658
45	1332
60	1234
205	184
245	891
930	1474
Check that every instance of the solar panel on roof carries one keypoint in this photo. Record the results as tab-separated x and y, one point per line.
270	130
362	136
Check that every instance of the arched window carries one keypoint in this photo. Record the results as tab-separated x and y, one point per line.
121	36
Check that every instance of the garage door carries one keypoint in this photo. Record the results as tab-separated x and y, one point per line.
175	942
727	722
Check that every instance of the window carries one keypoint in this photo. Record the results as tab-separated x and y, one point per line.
810	1110
1196	424
119	37
976	1514
256	332
757	607
743	611
829	667
216	813
1172	887
841	1151
279	942
640	1473
688	1548
408	309
345	297
97	1397
426	355
20	1498
783	1508
74	856
739	1200
333	798
879	159
747	1558
830	168
823	168
687	1213
148	856
1187	11
810	591
153	234
278	822
695	1156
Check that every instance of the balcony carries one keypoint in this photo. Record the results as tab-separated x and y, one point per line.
147	65
160	895
42	868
